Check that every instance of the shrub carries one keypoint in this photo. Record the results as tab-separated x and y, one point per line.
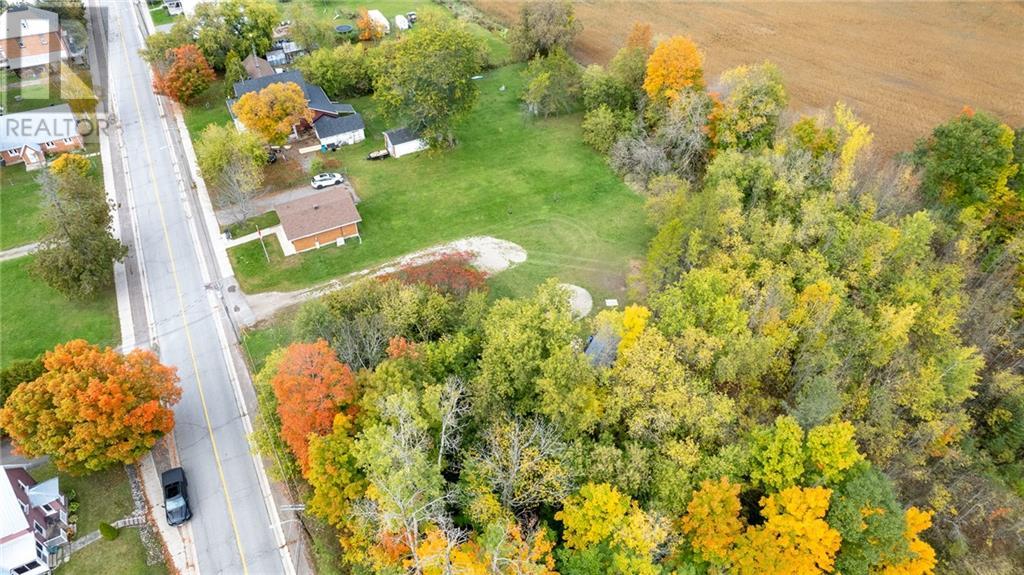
451	274
109	532
602	127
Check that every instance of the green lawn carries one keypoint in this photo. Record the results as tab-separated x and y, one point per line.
33	317
161	16
529	181
209	108
103	497
21	207
250	225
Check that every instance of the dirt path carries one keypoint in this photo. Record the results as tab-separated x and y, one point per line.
903	66
490	255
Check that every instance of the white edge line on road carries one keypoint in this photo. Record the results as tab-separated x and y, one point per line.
219	311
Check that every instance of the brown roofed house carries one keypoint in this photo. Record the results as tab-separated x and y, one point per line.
328	217
257	67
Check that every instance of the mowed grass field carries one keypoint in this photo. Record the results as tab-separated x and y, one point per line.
903	66
529	181
21	207
34	317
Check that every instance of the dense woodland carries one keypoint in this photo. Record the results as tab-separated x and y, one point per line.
820	372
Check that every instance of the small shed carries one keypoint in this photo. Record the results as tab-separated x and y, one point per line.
403	141
380	20
324	218
401	22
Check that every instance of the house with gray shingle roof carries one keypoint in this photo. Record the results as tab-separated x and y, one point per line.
333	123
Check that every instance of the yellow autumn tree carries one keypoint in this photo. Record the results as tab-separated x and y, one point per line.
712	519
795	539
831	450
922	561
634	320
274	111
675	65
854	136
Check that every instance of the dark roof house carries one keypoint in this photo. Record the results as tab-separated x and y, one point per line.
333	123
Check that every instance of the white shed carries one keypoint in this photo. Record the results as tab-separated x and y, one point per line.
403	141
380	20
401	22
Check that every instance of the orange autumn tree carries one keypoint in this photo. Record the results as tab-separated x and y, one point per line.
91	407
274	111
188	75
311	386
674	66
368	28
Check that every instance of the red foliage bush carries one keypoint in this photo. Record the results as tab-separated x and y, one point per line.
451	274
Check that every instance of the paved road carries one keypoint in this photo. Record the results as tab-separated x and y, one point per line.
231	526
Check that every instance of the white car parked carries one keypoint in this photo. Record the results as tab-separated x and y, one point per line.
323	180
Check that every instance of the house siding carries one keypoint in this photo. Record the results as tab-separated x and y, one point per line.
353	137
325	238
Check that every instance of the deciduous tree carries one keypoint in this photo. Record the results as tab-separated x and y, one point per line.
311	386
79	249
91	407
554	84
187	76
428	82
274	111
602	127
542	27
231	163
754	99
675	65
341	71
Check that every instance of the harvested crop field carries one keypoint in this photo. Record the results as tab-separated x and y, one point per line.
903	66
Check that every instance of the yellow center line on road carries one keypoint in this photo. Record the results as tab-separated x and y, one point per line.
181	304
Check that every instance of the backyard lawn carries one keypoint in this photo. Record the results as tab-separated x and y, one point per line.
104	496
20	207
33	317
528	181
161	16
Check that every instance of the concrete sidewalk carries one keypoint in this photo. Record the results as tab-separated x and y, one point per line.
18	252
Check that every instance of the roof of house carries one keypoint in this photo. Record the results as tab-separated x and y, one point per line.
315	96
12	521
327	126
602	348
401	136
25	20
257	67
318	213
37	126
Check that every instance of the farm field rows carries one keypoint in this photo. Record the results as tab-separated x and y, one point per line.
904	67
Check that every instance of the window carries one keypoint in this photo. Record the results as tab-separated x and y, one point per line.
27	567
68	141
43	40
20	43
50	145
16	152
37	527
40	550
48	509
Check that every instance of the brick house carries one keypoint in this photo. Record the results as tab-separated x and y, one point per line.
30	38
322	219
34	531
28	137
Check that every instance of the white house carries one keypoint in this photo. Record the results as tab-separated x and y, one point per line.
403	141
380	20
33	524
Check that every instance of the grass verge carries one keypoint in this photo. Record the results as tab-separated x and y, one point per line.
21	207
